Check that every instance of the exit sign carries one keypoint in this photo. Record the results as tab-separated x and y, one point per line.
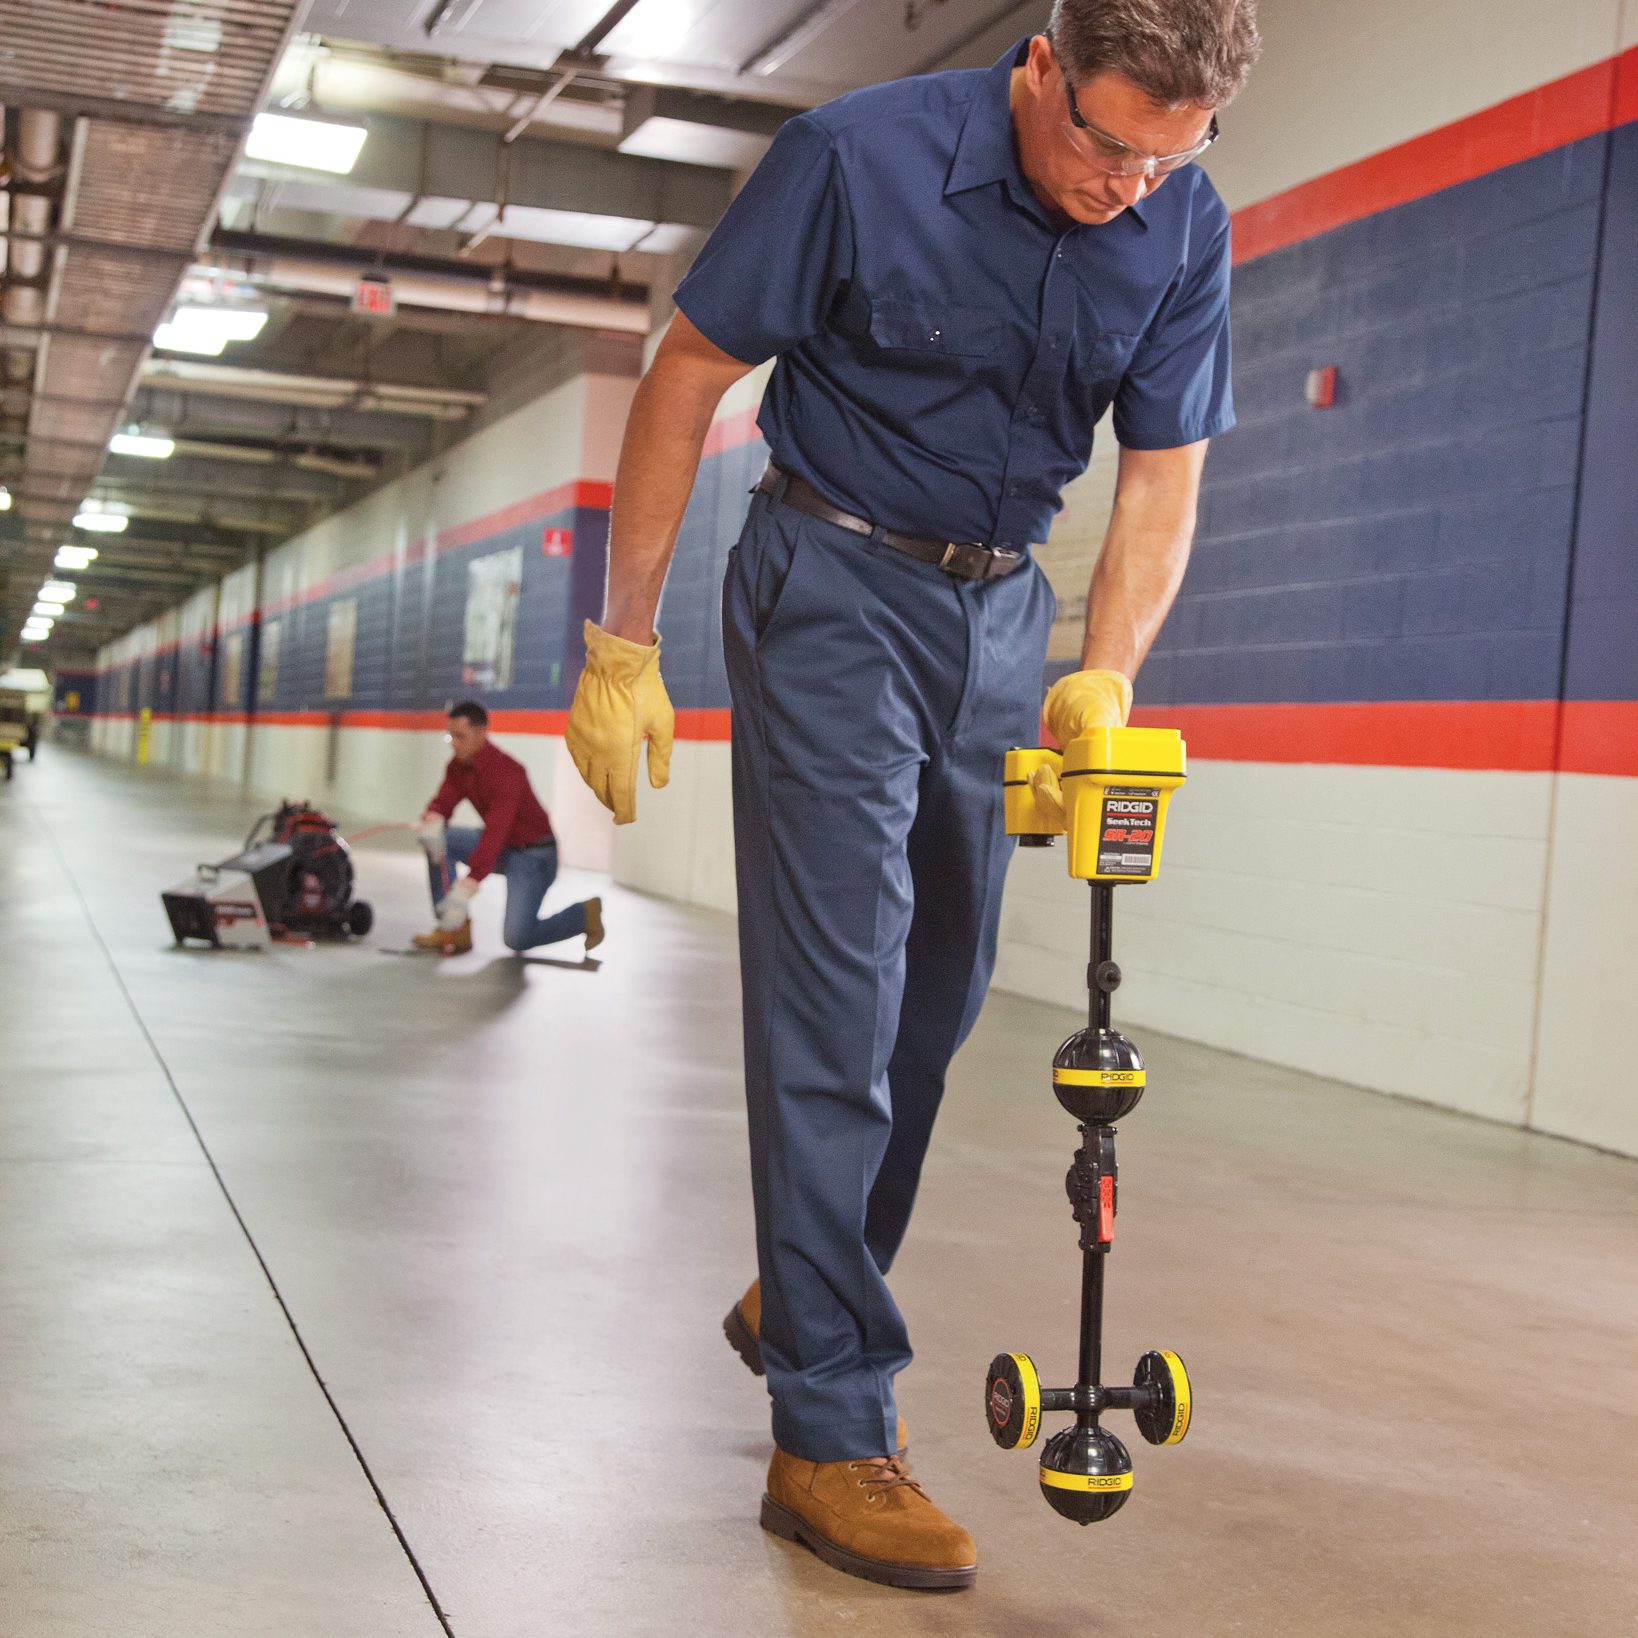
374	297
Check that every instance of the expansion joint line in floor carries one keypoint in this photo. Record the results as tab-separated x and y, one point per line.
238	1217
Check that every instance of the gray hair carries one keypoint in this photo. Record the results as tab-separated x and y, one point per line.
1177	52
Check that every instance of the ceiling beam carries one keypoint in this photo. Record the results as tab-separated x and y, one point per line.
406	162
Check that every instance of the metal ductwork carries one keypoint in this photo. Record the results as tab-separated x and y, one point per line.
126	124
576	303
312	391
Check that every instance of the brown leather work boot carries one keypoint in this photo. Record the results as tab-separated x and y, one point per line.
869	1518
594	924
743	1329
443	942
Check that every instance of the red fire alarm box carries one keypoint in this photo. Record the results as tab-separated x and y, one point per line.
1321	387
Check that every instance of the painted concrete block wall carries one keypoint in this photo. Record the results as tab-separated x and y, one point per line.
249	680
1585	1082
1377	922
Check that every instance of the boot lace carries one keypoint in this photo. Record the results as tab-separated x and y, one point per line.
884	1474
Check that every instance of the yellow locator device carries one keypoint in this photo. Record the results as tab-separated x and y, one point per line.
1116	785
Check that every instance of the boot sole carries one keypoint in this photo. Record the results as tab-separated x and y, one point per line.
780	1521
742	1339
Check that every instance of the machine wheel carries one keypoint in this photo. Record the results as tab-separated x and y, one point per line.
1165	1420
360	918
1012	1401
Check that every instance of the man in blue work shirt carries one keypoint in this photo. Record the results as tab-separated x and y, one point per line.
957	275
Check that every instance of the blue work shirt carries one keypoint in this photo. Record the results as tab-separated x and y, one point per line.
945	346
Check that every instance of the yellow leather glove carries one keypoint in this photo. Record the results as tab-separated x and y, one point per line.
618	703
1075	705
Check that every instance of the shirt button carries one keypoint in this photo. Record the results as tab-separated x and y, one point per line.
1015	490
1034	414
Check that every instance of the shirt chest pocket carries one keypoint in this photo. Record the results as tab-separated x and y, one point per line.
931	331
1102	357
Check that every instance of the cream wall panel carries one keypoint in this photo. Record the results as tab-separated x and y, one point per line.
682	845
1587	1067
657	853
604	407
584	827
1338	83
1377	925
289	761
535	447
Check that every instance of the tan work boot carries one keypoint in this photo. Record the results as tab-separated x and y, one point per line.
743	1329
594	924
869	1518
442	941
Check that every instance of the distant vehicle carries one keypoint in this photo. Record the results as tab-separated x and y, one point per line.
14	723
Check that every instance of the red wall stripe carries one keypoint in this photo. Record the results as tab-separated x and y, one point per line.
586	492
1599	737
1565	110
1517	736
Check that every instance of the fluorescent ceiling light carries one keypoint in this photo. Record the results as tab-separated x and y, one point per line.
59	591
31	635
92	517
207	330
5	498
233	323
149	447
46	612
313	144
74	557
654	30
174	339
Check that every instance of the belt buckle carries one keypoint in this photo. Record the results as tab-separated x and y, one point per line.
952	552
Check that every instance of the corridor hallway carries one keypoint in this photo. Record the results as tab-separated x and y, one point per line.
333	1284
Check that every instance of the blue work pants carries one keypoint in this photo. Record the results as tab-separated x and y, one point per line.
874	700
529	873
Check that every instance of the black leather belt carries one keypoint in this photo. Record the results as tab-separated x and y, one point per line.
967	561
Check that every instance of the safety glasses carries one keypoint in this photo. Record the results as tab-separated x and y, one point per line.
1113	157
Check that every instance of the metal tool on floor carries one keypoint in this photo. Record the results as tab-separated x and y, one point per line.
1116	784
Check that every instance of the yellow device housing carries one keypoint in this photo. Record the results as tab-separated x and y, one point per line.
1024	815
1117	783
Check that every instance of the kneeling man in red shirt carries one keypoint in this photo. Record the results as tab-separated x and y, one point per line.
516	840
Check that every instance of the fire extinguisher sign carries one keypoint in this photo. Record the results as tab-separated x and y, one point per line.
1126	833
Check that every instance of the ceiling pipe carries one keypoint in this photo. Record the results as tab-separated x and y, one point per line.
450	292
316	391
24	301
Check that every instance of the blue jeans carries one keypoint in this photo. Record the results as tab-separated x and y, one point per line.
875	699
529	873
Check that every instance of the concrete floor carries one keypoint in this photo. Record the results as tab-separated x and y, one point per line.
328	1278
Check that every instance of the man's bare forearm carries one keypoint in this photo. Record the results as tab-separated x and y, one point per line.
1144	555
659	460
